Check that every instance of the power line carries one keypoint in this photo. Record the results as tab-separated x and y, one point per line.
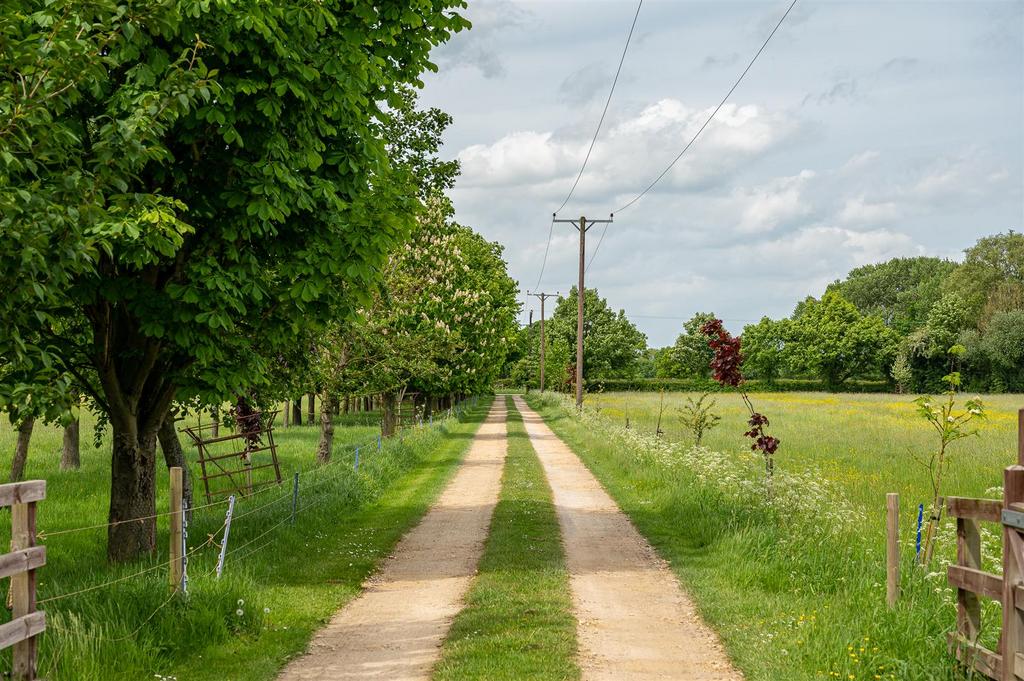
713	113
608	101
593	141
597	248
544	263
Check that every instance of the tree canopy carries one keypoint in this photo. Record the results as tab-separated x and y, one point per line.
184	189
611	343
690	356
901	291
832	339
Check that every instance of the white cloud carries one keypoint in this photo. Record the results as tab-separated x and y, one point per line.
775	202
517	158
632	151
859	211
733	227
821	250
584	84
860	161
476	48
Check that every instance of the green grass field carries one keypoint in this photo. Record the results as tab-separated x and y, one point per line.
868	444
518	621
281	581
795	585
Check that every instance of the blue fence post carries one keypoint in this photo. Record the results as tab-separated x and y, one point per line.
356	466
380	444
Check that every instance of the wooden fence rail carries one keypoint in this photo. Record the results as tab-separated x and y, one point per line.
20	565
1006	662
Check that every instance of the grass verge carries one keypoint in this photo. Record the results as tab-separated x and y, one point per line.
518	621
795	595
281	580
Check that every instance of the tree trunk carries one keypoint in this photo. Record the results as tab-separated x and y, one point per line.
387	422
428	407
136	390
174	455
132	494
21	449
70	459
286	413
311	409
326	442
297	411
215	415
348	404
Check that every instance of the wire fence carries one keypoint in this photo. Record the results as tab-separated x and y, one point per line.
313	481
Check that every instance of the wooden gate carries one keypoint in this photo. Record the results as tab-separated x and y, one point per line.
238	463
1006	662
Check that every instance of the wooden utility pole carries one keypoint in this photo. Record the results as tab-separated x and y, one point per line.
543	297
582	226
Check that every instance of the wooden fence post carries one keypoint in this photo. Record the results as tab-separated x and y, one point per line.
176	529
23	589
1013	557
892	553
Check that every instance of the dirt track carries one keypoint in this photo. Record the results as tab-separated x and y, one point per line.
394	629
633	621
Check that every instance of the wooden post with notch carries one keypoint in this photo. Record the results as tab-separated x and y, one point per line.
22	632
176	529
892	546
1013	563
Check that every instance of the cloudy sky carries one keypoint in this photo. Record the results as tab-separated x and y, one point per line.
865	131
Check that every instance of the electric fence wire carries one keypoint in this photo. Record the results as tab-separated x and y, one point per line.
713	113
335	474
159	566
586	159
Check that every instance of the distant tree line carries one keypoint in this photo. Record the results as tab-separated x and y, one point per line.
890	324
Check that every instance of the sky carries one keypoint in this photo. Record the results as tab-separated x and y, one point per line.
864	131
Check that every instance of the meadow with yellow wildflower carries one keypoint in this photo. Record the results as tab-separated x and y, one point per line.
795	580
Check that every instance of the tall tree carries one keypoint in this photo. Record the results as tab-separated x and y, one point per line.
901	291
832	339
690	356
991	278
764	348
611	343
1003	342
219	162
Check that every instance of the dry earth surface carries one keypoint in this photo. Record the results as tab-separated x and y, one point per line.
633	620
394	629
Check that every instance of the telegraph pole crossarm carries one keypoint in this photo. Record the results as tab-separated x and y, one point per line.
582	225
